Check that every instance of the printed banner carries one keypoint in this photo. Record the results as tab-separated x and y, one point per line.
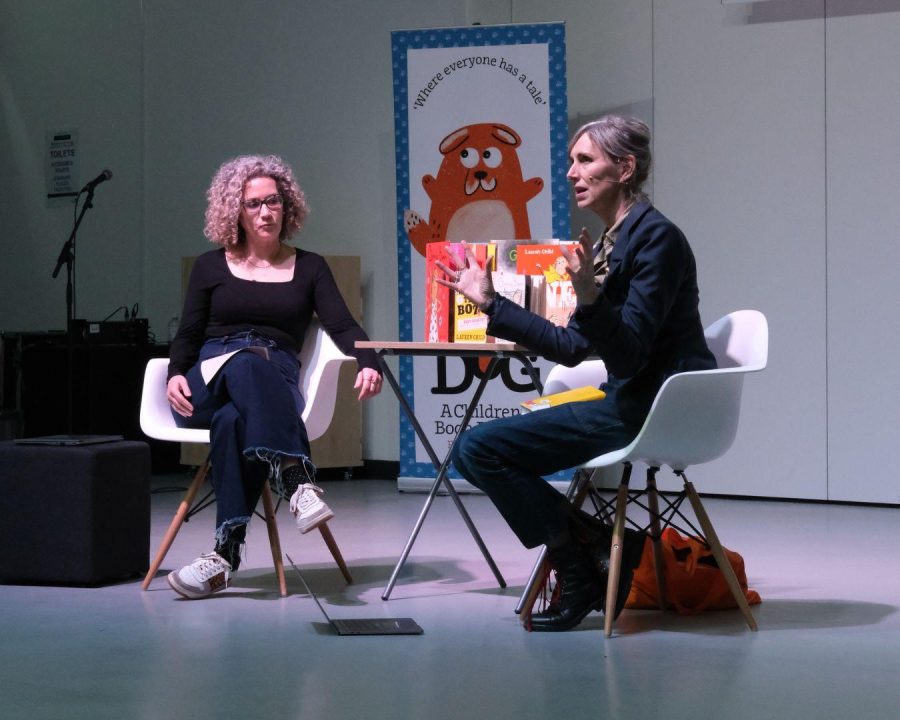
481	131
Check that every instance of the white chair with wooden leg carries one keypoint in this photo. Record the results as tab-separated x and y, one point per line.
320	361
693	420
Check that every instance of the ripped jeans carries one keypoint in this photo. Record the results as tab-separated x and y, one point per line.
252	408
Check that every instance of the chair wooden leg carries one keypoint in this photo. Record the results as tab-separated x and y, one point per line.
335	552
719	553
176	523
537	581
274	540
656	536
615	556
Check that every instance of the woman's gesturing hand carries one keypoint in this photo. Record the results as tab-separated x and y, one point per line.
581	268
471	280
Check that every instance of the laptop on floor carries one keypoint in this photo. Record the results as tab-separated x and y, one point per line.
362	626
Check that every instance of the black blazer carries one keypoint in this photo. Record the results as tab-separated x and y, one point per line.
645	325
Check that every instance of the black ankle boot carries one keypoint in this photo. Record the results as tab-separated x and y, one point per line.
580	589
596	536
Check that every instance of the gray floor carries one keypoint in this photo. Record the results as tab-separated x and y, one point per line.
828	644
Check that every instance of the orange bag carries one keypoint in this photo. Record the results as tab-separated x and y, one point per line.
694	582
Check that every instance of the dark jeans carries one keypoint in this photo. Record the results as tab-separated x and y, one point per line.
252	408
508	457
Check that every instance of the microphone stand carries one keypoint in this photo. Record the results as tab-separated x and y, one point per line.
67	258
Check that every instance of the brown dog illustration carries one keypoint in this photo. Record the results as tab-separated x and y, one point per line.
479	193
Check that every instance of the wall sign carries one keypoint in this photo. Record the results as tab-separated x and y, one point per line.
62	179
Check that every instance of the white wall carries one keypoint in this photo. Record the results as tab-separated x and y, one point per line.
863	160
774	142
66	67
740	141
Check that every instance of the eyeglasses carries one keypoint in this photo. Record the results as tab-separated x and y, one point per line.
273	202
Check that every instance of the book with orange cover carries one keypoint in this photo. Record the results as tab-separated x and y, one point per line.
534	259
551	294
543	259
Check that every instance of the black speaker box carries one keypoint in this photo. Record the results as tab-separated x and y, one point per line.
74	515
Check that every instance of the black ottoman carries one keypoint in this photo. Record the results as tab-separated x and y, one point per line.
74	515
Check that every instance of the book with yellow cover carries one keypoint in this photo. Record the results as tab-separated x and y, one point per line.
588	392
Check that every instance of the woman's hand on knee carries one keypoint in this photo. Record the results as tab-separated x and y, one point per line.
177	393
368	382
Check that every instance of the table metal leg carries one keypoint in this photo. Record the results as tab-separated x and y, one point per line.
532	373
389	588
441	467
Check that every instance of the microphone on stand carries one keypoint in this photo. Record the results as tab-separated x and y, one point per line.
102	177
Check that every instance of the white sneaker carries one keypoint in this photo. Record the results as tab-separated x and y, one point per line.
309	510
208	574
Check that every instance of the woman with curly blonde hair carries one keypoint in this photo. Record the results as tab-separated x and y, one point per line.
252	300
223	225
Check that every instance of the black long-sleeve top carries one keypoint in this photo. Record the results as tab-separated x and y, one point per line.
218	304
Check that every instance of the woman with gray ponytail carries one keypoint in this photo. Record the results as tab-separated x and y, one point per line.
642	319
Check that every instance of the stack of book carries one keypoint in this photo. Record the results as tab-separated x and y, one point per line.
529	273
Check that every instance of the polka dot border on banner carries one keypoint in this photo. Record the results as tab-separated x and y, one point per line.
554	36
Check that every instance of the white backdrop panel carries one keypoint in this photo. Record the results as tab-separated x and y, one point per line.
739	141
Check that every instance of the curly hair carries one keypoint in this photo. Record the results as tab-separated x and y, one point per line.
619	136
227	190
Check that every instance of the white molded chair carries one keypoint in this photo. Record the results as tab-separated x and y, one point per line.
320	361
693	420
